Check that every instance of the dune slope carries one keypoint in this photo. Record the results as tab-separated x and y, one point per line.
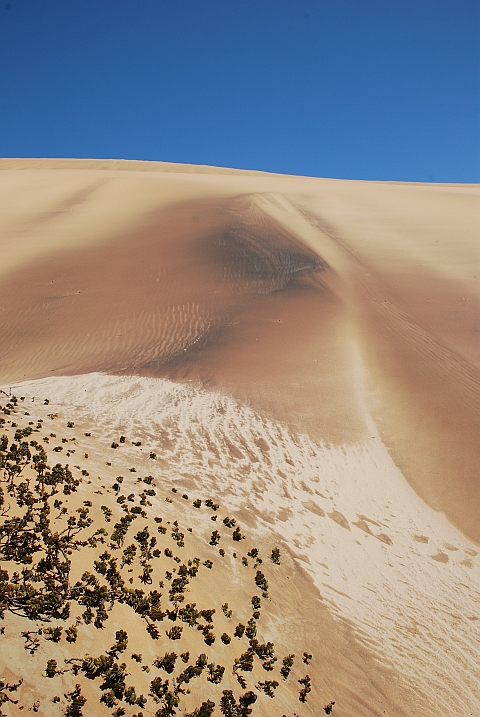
304	350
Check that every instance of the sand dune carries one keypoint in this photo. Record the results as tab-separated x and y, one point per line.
307	350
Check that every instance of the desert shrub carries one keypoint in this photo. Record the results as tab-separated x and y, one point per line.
226	611
215	538
275	556
269	687
237	534
205	710
215	673
175	633
167	662
287	664
76	702
307	687
239	630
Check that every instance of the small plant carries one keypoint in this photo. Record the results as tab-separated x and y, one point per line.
215	673
53	633
210	504
51	669
226	611
215	538
261	582
307	687
121	642
205	710
269	686
175	633
251	629
77	701
237	535
71	633
307	658
275	556
197	503
167	662
107	513
287	664
226	639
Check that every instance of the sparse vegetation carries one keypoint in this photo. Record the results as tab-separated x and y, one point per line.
46	524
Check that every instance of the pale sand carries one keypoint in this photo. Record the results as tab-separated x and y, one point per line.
336	325
404	579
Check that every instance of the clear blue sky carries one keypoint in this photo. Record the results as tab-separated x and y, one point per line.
367	89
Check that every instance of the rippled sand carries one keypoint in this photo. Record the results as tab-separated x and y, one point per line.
307	349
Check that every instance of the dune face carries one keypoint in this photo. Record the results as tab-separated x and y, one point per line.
308	351
262	295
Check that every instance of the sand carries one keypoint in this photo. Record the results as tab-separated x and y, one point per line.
305	350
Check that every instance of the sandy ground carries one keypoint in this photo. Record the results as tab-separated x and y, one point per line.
306	349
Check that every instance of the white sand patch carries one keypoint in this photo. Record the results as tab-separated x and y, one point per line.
406	579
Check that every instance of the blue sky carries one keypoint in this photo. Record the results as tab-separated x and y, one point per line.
362	89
